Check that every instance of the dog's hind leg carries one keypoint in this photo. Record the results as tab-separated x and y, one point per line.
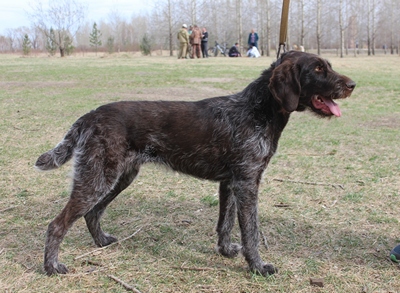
92	218
78	205
227	215
93	180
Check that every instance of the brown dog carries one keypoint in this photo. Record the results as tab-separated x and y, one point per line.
227	139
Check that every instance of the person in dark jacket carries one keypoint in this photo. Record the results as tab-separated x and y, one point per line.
234	51
253	39
204	43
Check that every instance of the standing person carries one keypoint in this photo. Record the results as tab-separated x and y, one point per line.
253	39
189	50
204	43
183	38
195	38
234	51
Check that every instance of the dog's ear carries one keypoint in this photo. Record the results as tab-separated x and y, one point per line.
285	85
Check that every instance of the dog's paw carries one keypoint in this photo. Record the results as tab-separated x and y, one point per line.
230	251
265	270
105	240
55	268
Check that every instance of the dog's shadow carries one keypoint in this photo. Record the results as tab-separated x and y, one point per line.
178	226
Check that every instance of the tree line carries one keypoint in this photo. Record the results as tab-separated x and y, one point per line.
344	26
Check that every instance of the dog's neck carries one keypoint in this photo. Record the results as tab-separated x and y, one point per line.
261	104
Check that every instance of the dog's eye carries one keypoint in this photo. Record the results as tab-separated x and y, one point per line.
319	68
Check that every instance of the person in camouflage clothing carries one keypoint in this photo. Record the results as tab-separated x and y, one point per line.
183	37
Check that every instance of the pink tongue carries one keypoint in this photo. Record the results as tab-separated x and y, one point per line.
332	106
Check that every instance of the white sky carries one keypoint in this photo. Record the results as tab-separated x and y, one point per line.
13	13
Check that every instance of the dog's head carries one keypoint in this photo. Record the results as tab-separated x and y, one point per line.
303	80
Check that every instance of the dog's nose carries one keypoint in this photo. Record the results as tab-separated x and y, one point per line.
351	84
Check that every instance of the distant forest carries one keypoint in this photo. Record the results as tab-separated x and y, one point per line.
347	27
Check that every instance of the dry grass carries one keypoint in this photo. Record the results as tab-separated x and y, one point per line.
313	230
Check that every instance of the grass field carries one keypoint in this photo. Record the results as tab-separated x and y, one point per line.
329	201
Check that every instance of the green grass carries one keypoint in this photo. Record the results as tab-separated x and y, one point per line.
343	234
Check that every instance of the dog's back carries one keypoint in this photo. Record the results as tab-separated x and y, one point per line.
196	138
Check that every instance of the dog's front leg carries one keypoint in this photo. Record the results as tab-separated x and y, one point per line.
227	214
246	193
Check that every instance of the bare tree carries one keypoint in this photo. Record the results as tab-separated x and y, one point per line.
302	29
4	46
239	22
193	11
64	16
319	27
374	9
387	23
341	28
140	23
268	28
169	17
391	27
116	22
11	38
36	37
369	27
82	40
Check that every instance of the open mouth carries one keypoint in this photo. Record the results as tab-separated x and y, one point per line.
326	105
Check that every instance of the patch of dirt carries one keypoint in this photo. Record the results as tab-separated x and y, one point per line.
36	84
390	121
212	79
170	94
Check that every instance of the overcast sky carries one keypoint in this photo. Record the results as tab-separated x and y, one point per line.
13	13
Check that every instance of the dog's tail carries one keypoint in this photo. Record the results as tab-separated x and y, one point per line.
64	151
